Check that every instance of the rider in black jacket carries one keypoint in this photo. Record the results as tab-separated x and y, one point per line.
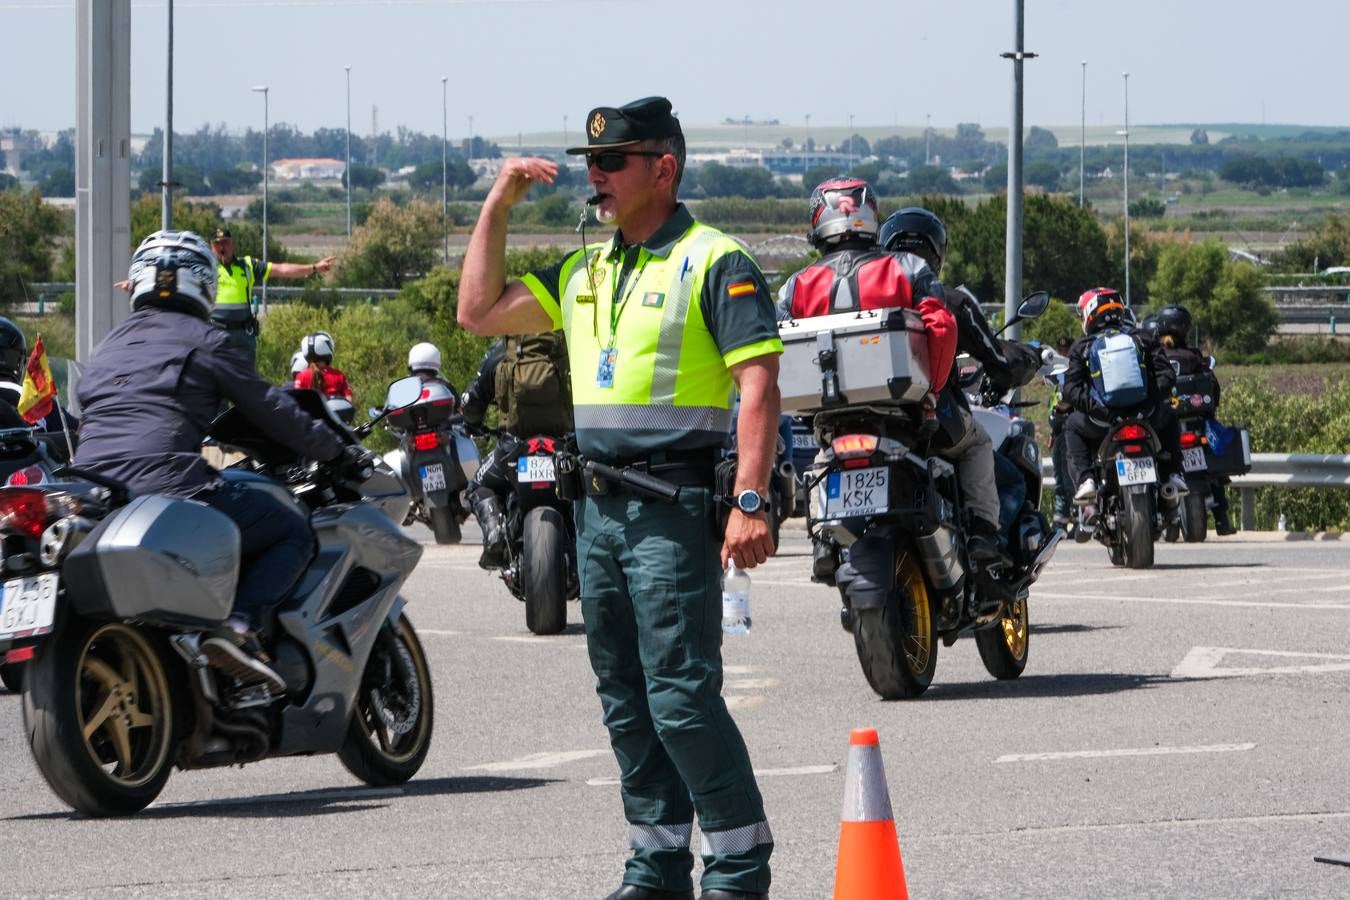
148	397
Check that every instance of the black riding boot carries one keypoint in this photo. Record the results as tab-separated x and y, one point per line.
488	511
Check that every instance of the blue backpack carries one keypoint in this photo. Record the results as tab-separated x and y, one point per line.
1119	375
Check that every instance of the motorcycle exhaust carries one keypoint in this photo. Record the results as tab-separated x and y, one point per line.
786	470
1169	492
940	558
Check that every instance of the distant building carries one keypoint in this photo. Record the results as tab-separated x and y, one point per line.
308	169
778	160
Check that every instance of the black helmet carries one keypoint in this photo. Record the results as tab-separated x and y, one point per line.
1149	325
13	351
916	230
1175	321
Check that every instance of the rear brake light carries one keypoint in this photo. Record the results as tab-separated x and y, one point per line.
1190	439
28	475
1131	433
854	446
1133	449
428	441
28	512
19	655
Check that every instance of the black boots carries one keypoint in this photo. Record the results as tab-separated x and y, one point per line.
985	545
638	892
492	520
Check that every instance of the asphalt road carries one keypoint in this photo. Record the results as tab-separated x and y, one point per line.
1178	732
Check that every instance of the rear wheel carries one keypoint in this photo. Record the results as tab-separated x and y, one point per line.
544	571
897	643
1004	645
444	525
1194	517
1136	529
100	717
390	730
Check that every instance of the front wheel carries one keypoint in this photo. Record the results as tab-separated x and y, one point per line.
544	571
390	730
1004	645
1136	530
99	717
897	643
1194	517
444	525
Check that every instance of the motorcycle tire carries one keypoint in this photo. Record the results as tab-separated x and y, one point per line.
1136	530
444	525
111	680
897	643
392	719
1194	517
1004	645
11	676
544	570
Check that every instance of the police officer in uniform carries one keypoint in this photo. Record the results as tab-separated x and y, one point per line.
236	277
663	321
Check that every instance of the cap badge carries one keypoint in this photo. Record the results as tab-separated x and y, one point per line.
597	125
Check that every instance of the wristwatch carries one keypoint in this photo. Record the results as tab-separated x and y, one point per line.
750	501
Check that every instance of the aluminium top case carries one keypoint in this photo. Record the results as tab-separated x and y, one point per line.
879	357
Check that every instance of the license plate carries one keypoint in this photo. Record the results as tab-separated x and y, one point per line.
1136	471
803	442
433	477
535	468
857	492
28	606
1193	459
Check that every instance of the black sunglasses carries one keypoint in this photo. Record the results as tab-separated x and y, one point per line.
615	160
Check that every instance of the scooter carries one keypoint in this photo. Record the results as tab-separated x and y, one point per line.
436	458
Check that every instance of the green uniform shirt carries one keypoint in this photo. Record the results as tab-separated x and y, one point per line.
652	331
234	282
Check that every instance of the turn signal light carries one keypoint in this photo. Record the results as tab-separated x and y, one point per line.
854	446
1131	433
428	441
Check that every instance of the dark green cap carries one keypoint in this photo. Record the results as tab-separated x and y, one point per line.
608	128
222	234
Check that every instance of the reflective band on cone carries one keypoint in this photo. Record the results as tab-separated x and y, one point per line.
869	866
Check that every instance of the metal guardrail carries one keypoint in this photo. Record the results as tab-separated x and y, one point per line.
1271	470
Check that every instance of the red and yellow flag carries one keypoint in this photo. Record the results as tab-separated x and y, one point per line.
39	388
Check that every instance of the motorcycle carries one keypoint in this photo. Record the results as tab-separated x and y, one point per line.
541	540
436	459
107	598
1132	506
1193	398
906	579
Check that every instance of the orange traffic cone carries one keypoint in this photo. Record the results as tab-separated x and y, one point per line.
869	865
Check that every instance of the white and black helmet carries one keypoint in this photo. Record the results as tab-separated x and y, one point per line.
424	357
175	270
298	363
318	345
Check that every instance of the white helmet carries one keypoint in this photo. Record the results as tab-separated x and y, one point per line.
298	363
175	270
318	345
423	357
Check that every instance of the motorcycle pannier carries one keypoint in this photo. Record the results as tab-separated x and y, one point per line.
877	356
158	559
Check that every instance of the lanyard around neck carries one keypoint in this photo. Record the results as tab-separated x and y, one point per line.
617	304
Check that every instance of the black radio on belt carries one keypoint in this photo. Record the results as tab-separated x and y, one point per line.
568	486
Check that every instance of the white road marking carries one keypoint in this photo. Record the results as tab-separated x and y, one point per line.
537	761
1193	601
738	670
1128	751
759	773
1203	662
439	632
751	684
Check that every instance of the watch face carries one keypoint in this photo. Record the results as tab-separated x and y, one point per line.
749	502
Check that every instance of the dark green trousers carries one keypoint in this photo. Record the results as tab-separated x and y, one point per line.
651	598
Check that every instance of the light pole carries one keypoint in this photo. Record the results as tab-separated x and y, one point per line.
1082	136
850	140
564	143
349	151
1126	134
445	182
469	152
927	138
166	176
262	89
1012	270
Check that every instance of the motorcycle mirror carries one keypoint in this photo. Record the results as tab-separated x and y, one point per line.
1213	362
372	412
1033	305
403	393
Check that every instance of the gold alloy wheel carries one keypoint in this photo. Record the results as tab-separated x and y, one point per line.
918	638
123	706
1015	627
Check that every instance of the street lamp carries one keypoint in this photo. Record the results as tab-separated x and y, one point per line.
927	137
1126	135
166	176
469	153
1082	137
349	151
850	140
564	143
445	182
262	89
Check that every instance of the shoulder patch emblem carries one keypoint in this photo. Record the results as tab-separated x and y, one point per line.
740	288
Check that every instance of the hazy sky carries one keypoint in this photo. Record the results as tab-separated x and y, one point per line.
519	65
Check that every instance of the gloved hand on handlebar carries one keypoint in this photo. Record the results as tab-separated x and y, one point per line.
355	462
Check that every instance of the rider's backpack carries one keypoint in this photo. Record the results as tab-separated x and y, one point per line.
534	395
1119	374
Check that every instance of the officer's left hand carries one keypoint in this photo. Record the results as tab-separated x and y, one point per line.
748	541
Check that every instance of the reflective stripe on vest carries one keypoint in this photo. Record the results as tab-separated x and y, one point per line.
736	840
671	386
660	837
234	283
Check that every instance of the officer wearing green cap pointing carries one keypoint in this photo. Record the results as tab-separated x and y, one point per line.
664	321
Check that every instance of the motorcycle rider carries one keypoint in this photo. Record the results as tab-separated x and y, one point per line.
13	361
918	232
321	374
148	396
1102	308
492	482
1173	325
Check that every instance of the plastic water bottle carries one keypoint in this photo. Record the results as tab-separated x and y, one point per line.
735	600
1283	526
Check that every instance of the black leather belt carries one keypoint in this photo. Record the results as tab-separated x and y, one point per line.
678	468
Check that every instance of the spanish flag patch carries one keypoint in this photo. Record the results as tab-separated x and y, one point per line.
740	288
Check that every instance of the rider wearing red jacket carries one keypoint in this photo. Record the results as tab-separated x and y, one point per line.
321	375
